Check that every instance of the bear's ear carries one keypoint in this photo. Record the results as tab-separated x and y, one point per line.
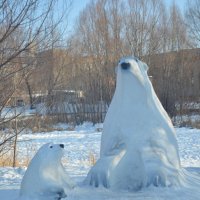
145	66
50	145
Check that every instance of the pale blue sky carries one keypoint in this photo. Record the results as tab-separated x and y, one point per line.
78	5
180	3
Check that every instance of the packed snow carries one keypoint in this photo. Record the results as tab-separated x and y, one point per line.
138	146
83	143
45	177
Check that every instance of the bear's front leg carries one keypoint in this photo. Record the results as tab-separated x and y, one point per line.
61	194
102	172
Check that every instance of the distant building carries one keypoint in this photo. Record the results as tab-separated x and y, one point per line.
56	96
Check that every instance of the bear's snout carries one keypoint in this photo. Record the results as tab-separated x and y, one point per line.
62	146
125	65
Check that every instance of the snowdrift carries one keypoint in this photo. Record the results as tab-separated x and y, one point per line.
45	177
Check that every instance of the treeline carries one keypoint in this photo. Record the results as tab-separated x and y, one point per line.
107	30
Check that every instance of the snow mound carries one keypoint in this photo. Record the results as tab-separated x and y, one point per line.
138	145
45	177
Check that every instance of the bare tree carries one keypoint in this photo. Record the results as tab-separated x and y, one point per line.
192	17
25	27
142	20
169	76
107	30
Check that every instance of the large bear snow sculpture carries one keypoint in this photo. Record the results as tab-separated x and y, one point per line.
45	177
138	144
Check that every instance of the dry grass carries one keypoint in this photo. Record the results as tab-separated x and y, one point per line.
196	124
7	161
190	123
92	159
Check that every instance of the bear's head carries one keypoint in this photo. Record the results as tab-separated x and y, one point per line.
50	152
132	78
42	177
134	67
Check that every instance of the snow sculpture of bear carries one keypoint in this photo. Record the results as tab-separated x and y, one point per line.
138	144
45	177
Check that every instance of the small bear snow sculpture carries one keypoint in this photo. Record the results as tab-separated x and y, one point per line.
138	144
45	177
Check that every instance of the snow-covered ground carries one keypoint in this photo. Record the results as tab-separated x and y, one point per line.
82	149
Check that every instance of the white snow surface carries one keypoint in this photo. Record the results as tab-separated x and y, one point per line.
85	141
